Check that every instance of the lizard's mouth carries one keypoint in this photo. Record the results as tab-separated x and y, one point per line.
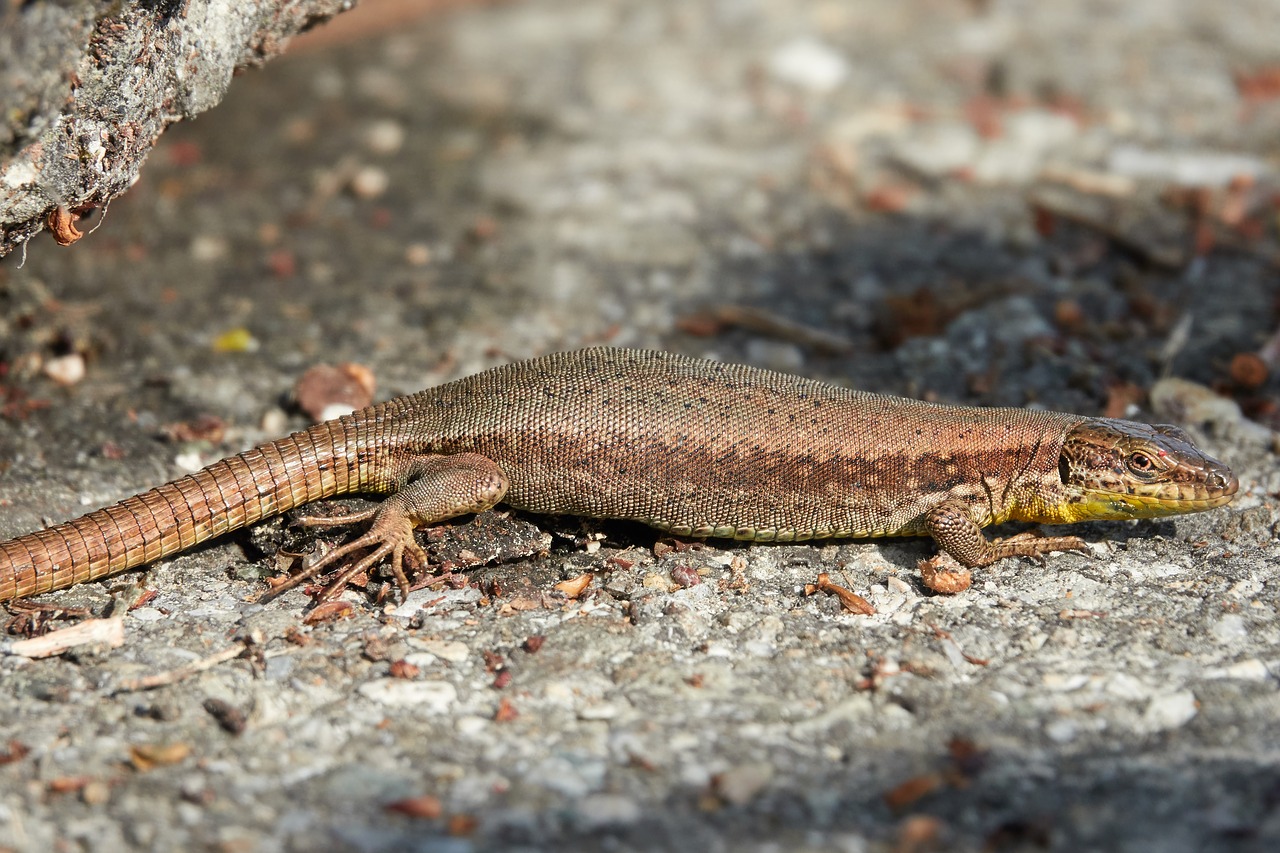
1152	500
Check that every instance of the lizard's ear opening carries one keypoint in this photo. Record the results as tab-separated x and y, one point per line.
1064	469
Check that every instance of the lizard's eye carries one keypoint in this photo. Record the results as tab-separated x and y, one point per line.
1140	465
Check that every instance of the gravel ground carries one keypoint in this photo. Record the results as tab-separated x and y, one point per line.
984	202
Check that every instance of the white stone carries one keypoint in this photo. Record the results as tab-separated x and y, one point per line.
1188	168
1170	711
66	370
602	810
1064	682
208	247
147	614
599	711
450	650
809	64
1230	627
384	136
470	725
1125	686
370	182
742	784
939	149
1062	730
433	697
1249	669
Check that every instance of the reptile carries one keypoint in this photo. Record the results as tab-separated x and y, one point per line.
696	448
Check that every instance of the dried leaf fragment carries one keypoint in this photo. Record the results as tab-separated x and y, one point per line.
918	833
944	575
15	751
68	784
849	600
574	587
403	669
426	807
325	388
150	756
231	719
506	711
907	793
328	611
62	225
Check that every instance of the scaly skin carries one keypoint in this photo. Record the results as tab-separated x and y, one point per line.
693	447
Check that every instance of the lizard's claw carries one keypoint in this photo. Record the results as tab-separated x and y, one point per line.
390	535
1034	544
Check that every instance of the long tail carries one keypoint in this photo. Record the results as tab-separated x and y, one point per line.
310	465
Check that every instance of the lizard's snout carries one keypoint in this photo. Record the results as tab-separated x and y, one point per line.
1223	482
1215	486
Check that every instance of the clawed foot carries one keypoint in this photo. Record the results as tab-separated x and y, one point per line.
1034	544
389	535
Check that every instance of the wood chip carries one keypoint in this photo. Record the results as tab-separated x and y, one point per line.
108	633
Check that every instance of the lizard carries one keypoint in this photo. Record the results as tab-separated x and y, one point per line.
692	447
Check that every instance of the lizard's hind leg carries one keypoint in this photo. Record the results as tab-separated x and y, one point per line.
434	488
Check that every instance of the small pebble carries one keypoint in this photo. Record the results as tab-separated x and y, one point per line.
471	725
431	697
809	64
740	785
1248	371
1170	711
1230	627
597	811
66	370
417	254
370	182
449	650
1250	669
95	793
599	711
1187	168
1062	730
207	247
274	421
384	137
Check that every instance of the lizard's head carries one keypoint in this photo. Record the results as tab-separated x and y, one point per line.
1114	469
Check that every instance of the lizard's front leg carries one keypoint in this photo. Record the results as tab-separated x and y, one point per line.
435	488
952	526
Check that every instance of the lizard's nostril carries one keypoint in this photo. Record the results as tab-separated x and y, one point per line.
1222	482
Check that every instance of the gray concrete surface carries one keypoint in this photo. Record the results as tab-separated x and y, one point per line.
542	175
